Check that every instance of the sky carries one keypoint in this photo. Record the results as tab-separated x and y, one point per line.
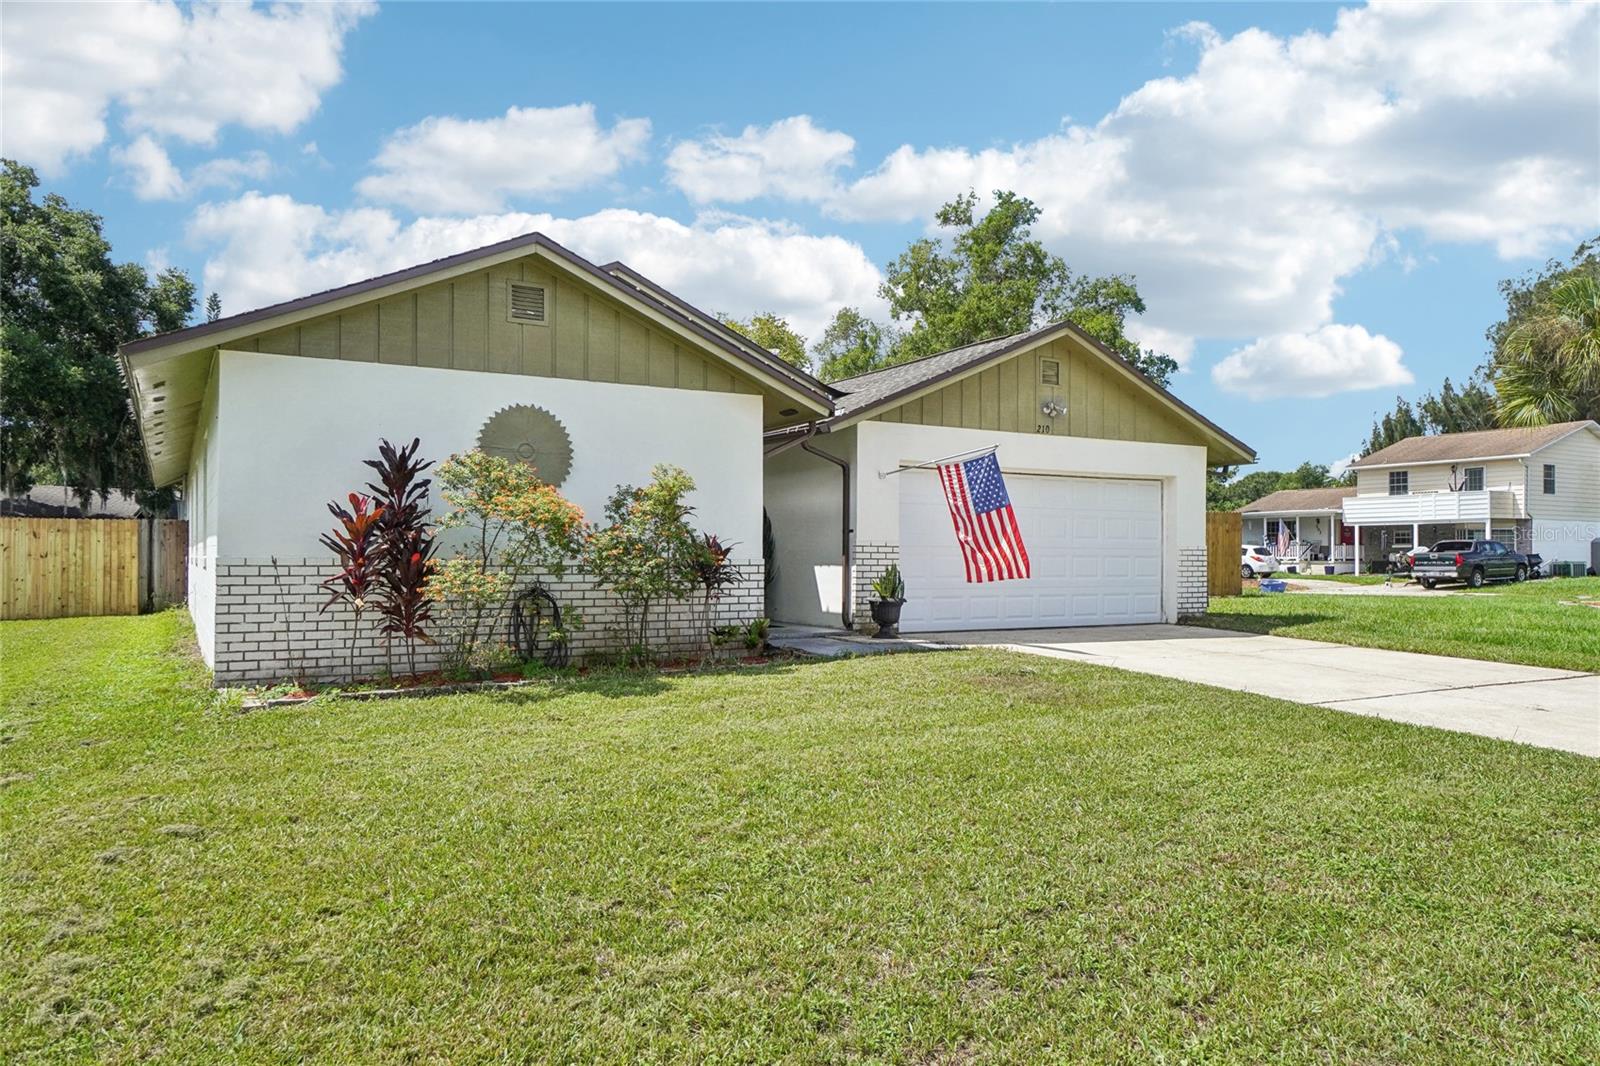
1317	201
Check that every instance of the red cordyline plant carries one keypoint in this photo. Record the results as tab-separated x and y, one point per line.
713	571
405	546
354	542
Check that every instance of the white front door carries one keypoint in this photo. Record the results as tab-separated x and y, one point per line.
1094	545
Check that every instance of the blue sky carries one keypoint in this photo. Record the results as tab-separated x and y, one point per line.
1317	201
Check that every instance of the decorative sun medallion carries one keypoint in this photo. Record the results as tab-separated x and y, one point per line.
531	435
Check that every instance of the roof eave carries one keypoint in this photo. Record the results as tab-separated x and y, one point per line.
1293	510
711	321
1453	459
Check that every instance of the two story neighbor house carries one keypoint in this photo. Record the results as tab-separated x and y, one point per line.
1536	488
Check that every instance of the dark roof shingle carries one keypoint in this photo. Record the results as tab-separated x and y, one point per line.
865	390
1331	499
1481	444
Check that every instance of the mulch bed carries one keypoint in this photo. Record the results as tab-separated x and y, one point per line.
436	684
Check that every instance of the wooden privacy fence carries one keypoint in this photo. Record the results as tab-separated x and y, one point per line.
62	567
1223	532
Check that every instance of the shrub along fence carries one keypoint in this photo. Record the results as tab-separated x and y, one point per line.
1224	530
62	567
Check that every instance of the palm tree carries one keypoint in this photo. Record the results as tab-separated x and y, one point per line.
1548	370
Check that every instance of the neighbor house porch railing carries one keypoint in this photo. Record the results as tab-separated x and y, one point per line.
1427	507
1306	551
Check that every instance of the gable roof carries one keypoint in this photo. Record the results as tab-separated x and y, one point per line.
753	356
881	389
167	374
1331	499
1480	444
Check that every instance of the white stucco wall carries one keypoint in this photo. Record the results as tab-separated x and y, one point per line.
282	436
294	433
885	446
200	492
804	495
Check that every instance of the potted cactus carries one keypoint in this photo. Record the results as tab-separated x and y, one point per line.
890	589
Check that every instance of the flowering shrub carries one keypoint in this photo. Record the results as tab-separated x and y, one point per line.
646	552
517	527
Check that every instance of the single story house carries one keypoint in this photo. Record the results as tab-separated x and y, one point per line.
265	416
1303	527
1106	471
527	348
1536	489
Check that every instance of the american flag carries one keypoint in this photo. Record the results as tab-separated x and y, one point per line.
986	526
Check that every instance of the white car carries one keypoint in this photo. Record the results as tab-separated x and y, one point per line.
1256	562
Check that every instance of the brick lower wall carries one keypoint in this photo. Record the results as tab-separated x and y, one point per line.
870	561
1193	590
269	625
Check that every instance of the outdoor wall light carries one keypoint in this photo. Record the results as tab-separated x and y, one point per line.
1052	409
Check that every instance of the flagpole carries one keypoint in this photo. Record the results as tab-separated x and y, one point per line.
972	454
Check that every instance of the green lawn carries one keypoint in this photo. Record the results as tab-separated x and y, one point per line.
950	857
1540	623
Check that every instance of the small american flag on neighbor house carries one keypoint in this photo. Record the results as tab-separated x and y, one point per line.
986	526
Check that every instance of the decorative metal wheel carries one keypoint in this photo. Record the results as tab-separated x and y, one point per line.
536	630
529	435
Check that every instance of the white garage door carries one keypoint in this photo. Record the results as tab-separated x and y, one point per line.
1094	545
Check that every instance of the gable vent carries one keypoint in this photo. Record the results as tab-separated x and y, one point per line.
527	303
1049	372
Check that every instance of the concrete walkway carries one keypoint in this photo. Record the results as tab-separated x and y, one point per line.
1529	704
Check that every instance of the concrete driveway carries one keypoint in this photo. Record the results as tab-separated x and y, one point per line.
1339	588
1529	704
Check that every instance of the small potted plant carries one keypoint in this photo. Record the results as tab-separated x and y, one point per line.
890	588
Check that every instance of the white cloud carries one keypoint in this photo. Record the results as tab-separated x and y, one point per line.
150	169
263	249
179	72
154	176
230	173
463	166
1178	345
1332	359
1338	467
792	158
1243	193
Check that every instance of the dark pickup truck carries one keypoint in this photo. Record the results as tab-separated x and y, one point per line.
1472	561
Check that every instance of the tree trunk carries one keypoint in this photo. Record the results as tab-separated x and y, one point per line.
355	634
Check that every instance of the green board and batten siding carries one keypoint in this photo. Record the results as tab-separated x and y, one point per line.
462	324
1099	402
